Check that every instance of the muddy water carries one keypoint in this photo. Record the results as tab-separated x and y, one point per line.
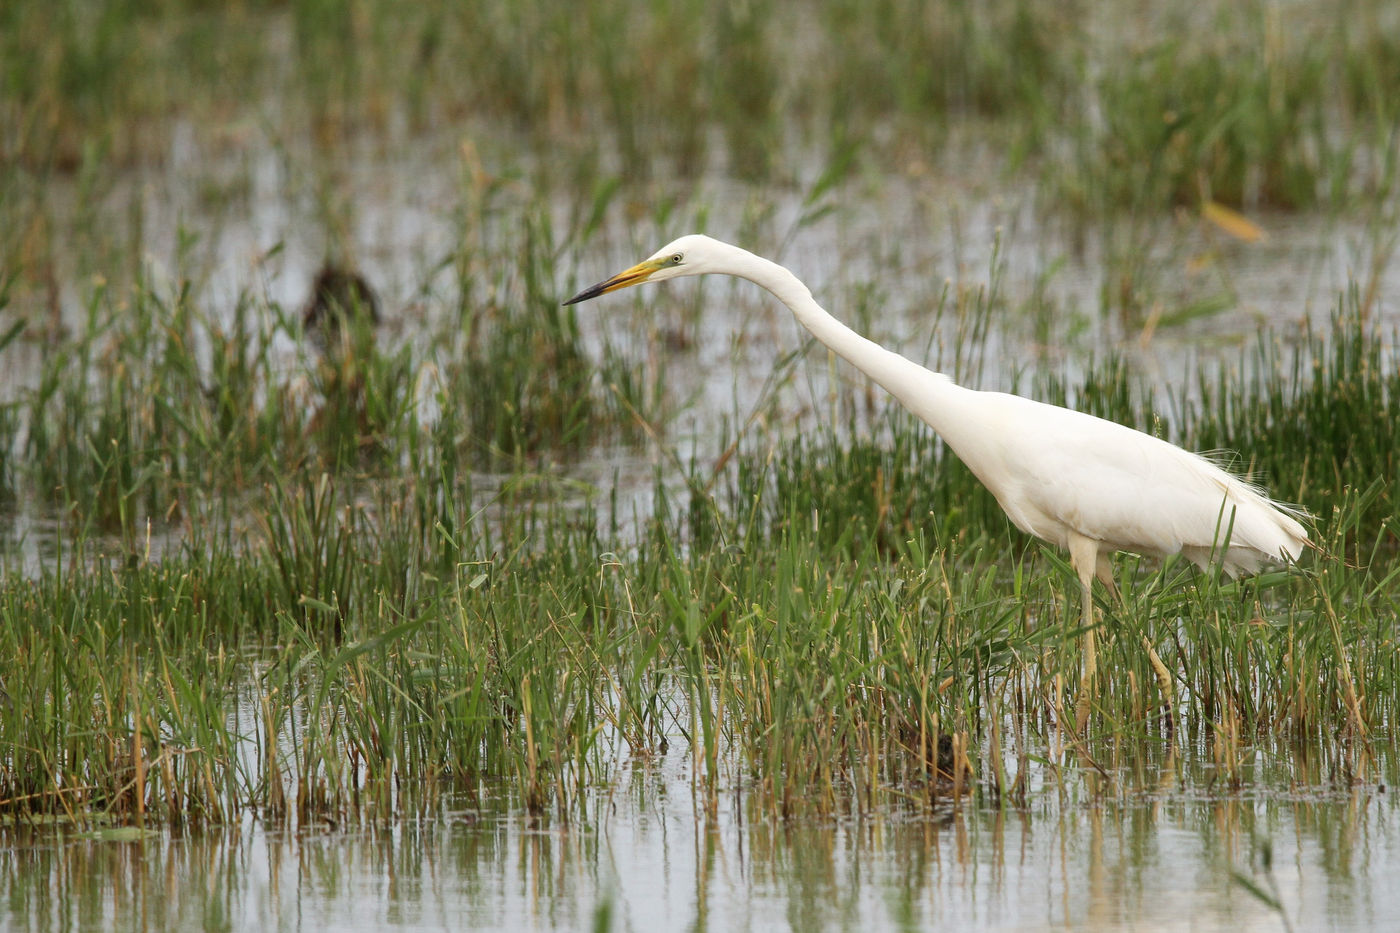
1162	852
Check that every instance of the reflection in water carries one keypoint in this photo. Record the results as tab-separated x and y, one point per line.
1155	855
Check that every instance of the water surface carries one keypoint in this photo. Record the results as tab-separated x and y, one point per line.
1156	848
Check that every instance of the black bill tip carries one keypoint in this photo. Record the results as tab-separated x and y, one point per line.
587	293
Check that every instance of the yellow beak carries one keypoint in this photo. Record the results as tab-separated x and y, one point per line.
633	276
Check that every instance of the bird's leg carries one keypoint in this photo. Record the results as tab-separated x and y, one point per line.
1083	556
1091	660
1164	677
1164	682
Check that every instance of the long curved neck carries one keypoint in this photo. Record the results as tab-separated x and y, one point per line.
924	392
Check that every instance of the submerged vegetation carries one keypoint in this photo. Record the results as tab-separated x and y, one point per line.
336	583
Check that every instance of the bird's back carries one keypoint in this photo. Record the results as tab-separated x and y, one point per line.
1055	470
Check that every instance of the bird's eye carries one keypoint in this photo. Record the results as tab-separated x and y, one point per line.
676	259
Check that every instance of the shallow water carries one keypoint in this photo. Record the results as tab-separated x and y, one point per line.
1153	851
1159	851
882	260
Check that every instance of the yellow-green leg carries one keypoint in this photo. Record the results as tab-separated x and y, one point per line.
1088	562
1083	556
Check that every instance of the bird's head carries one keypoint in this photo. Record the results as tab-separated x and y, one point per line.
690	255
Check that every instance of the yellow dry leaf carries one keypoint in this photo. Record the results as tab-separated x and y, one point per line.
1232	222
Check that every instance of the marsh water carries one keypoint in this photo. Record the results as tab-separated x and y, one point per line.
897	263
1162	847
1163	844
1155	847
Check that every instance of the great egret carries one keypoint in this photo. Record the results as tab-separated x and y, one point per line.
1082	483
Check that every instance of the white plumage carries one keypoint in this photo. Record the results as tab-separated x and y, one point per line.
1088	485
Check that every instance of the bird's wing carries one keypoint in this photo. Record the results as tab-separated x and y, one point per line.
1064	470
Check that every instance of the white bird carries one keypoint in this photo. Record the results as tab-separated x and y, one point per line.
1080	482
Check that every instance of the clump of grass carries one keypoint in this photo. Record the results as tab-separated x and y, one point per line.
525	382
194	406
1320	421
874	491
123	421
1230	127
1250	114
112	706
839	682
746	89
927	65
